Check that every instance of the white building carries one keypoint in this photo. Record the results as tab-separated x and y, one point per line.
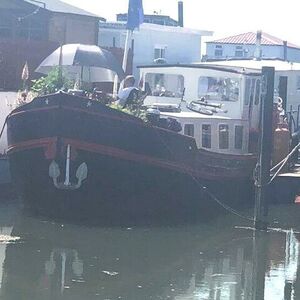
246	46
152	41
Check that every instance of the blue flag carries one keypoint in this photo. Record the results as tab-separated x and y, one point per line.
135	15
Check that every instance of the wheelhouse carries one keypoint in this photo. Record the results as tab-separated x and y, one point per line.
217	106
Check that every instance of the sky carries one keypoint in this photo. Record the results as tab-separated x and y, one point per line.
225	18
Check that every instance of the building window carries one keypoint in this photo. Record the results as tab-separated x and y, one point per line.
218	51
257	92
189	129
239	51
219	88
159	52
206	136
238	140
223	136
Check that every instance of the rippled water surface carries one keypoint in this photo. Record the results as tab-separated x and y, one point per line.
223	259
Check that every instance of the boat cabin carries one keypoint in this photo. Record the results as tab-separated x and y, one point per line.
217	105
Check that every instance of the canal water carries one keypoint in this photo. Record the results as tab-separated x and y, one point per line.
221	259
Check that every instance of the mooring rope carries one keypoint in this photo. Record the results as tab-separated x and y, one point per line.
3	127
205	189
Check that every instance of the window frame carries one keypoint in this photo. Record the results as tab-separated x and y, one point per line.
206	136
212	84
161	52
226	138
189	129
239	51
238	141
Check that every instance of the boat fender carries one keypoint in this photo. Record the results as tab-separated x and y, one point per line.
205	111
194	106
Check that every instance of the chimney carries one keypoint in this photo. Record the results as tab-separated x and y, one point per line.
258	51
180	13
285	50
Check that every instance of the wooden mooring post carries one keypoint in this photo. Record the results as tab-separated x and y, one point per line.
265	149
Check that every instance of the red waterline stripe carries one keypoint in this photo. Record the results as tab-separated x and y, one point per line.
117	153
31	144
129	156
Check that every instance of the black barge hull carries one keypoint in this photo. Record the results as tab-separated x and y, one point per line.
134	170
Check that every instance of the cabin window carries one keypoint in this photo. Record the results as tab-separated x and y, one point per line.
206	136
219	88
223	136
219	51
238	140
164	85
189	129
257	92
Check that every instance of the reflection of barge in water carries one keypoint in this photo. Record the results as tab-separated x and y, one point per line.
71	154
74	262
188	262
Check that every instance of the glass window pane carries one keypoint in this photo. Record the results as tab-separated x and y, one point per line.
206	136
238	141
189	129
239	51
223	136
218	52
219	88
164	85
159	53
156	53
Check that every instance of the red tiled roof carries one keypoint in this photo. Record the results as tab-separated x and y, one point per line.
249	38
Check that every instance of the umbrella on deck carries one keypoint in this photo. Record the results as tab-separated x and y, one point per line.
90	62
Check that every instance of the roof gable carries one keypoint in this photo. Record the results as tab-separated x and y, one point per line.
249	38
62	7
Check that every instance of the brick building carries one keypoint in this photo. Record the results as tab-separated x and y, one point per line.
30	30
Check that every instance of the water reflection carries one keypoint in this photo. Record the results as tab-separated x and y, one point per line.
214	261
